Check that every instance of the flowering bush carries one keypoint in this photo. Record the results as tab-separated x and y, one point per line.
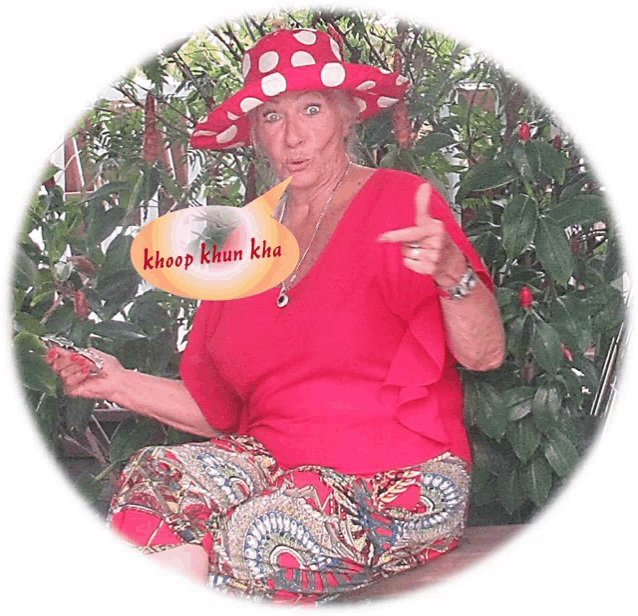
530	205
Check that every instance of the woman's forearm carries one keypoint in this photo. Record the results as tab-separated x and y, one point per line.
474	329
166	400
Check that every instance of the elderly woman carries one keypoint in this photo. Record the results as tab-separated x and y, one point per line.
337	451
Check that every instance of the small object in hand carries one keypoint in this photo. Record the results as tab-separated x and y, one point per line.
51	341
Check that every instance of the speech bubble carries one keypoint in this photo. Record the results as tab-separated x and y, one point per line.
217	252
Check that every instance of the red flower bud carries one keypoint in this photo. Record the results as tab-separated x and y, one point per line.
335	36
524	132
557	142
401	125
575	246
152	137
83	264
81	306
566	352
526	298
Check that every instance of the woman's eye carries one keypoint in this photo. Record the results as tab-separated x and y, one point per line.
313	109
270	116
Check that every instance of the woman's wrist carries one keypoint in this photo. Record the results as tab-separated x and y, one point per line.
462	285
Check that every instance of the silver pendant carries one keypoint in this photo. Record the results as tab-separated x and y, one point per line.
282	299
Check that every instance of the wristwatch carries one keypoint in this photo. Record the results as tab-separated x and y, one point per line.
464	285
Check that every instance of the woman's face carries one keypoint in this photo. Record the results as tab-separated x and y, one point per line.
303	134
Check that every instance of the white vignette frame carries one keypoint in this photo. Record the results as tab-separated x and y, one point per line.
575	555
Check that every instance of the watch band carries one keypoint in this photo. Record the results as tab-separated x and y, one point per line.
464	285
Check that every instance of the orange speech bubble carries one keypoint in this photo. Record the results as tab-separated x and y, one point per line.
217	252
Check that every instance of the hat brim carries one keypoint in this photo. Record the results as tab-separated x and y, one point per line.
228	126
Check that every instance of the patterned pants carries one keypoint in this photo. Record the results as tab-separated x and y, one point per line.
307	534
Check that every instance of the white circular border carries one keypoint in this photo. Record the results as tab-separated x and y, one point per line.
59	553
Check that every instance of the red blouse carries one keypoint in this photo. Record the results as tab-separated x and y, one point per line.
354	374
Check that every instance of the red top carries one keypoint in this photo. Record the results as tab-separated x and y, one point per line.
354	373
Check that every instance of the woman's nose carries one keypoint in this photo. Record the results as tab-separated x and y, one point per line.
293	132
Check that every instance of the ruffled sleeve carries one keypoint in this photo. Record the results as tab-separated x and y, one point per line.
422	386
219	403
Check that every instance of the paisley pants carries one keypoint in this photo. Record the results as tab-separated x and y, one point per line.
306	534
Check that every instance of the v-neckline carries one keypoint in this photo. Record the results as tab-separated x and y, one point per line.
341	223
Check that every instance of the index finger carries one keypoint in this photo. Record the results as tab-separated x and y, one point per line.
422	203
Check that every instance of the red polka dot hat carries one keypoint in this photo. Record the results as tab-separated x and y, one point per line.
292	61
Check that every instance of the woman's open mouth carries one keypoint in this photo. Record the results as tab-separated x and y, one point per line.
297	165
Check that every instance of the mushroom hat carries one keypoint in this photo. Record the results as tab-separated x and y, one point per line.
293	61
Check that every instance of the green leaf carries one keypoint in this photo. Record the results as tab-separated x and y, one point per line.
101	222
553	250
55	239
131	435
579	210
34	371
547	347
509	491
104	192
118	291
78	412
90	487
23	321
524	437
491	174
572	322
519	224
48	173
433	142
118	330
523	404
520	333
561	453
537	480
491	413
116	260
573	386
489	247
546	406
150	317
25	270
613	267
552	162
135	195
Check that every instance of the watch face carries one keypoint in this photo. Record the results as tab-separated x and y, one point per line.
130	227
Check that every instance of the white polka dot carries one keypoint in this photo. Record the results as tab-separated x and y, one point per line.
204	133
332	75
273	84
268	61
227	135
245	65
366	85
335	48
239	144
249	103
306	37
231	116
401	80
360	103
386	101
301	58
385	71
